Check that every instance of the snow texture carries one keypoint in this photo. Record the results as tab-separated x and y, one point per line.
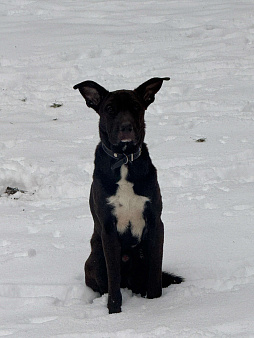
47	143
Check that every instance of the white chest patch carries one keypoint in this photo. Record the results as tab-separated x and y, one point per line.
128	207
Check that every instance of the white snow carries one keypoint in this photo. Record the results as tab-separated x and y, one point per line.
207	48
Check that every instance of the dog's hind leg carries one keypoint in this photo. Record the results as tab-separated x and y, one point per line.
95	267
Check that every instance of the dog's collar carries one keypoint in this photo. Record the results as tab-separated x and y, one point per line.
122	158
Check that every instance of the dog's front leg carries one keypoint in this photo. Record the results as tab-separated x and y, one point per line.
155	252
112	252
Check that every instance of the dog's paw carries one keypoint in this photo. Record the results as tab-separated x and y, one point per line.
154	293
114	303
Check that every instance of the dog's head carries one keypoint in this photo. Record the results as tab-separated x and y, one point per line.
121	112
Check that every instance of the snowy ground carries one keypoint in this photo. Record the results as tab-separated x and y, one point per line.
207	48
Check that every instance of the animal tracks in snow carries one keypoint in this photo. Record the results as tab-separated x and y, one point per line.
33	230
5	243
4	333
243	207
41	320
232	283
237	210
58	245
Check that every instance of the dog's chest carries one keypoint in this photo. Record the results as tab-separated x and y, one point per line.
128	207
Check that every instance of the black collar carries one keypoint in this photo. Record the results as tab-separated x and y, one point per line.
122	158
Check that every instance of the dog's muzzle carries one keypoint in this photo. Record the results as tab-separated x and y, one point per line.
126	132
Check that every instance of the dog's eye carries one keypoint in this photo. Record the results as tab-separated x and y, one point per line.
110	109
136	107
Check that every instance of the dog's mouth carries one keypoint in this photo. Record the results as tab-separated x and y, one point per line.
126	140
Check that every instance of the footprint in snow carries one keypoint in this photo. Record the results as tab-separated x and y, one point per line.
224	139
5	243
242	207
57	234
198	197
228	214
58	245
33	230
224	189
29	253
211	206
6	332
41	320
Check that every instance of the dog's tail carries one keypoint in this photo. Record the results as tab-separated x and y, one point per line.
169	278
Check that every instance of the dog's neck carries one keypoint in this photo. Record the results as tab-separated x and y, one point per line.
121	158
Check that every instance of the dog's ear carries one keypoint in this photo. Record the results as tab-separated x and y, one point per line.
92	92
149	88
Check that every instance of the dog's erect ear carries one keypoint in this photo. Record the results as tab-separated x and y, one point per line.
149	88
92	92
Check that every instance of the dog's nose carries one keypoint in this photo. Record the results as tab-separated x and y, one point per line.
126	127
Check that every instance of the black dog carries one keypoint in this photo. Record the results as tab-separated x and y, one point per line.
125	199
